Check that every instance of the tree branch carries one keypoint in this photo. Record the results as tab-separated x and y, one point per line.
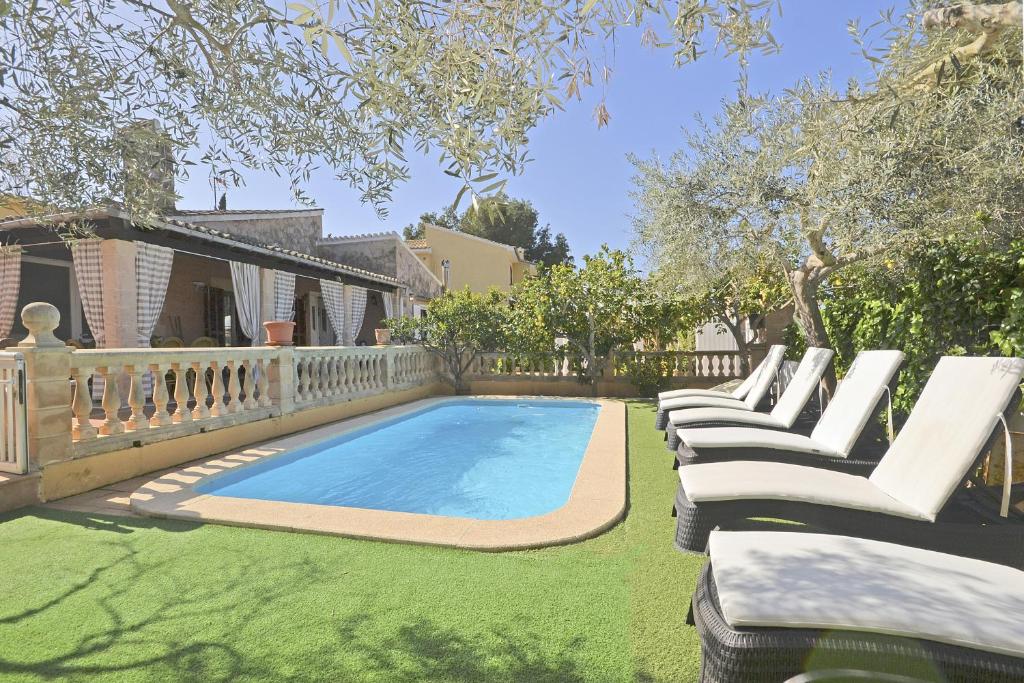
986	20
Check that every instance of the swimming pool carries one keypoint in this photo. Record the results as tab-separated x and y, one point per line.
486	459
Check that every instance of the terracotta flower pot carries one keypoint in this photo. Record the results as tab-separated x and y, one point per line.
279	332
383	336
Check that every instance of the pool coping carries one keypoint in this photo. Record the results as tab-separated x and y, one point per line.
597	501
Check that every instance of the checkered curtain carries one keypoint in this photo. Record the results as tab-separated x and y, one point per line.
152	273
358	310
245	280
284	295
334	302
88	260
10	283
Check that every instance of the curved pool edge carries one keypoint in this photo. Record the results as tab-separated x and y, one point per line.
597	501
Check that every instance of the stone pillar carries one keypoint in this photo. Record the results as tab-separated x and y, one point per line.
346	296
120	303
281	377
48	391
266	300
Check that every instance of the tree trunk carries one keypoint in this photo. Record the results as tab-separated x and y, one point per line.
808	316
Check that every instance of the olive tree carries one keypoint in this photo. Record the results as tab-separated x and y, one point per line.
348	85
815	180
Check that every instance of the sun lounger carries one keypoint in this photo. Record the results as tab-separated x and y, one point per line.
830	445
961	409
747	396
771	605
791	404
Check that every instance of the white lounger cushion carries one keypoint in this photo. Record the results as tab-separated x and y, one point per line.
698	393
750	437
691	402
839	426
949	425
679	418
798	580
943	437
754	480
774	355
786	411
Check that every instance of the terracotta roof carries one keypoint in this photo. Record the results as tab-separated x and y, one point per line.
17	221
359	238
417	244
290	252
230	212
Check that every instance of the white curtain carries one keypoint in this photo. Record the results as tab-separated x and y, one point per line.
245	280
10	283
389	305
284	295
358	310
88	260
152	273
334	302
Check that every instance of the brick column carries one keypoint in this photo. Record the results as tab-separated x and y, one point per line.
266	300
120	303
346	296
48	390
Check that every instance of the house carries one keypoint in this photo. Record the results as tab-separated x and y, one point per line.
767	329
386	253
459	259
188	278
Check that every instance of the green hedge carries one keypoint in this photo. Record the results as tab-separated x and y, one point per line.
951	297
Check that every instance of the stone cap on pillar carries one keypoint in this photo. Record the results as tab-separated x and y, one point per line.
40	319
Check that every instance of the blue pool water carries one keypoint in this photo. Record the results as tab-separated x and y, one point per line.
477	458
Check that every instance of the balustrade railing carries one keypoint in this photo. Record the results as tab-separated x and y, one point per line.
326	373
162	387
124	391
722	365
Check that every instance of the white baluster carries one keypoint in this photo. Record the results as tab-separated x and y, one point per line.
160	417
249	386
234	387
181	393
218	408
81	405
137	400
332	375
200	391
111	403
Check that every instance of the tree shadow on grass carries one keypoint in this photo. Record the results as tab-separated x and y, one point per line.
137	614
121	524
424	650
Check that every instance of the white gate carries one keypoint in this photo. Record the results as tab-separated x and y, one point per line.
13	449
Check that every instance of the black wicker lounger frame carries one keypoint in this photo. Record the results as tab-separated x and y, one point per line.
961	529
772	655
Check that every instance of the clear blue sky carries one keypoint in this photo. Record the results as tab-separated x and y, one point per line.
580	179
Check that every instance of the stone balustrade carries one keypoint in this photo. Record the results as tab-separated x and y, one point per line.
324	374
166	387
716	365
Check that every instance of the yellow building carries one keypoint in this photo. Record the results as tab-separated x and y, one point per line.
459	259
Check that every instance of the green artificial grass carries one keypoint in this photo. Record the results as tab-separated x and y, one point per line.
84	597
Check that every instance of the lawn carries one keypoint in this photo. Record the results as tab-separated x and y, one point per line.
110	598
